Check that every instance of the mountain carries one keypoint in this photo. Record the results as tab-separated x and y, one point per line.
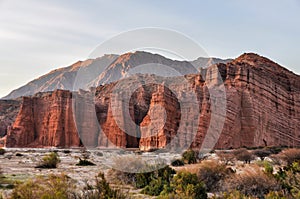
261	108
107	69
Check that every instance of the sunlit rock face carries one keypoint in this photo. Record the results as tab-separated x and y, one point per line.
262	108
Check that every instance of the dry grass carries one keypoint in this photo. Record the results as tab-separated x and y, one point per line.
213	174
252	182
290	155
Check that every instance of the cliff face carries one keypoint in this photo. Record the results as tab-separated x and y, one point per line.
262	108
44	120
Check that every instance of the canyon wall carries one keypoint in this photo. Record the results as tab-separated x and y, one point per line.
262	107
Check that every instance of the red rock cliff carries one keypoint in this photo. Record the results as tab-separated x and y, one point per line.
262	108
44	120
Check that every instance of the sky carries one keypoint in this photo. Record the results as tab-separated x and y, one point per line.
39	36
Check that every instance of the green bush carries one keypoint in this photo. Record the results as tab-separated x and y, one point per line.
158	180
141	180
2	151
189	157
268	167
50	161
104	191
185	185
85	162
155	187
289	177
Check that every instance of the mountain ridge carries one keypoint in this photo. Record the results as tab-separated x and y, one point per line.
65	78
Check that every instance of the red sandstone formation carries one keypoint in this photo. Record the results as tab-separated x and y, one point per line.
44	120
262	108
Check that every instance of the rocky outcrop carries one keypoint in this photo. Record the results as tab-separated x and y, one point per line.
44	120
262	107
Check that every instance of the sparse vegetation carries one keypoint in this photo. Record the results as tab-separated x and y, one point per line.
52	187
252	182
275	177
290	155
101	190
50	161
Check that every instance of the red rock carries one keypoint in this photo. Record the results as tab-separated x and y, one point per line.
262	108
44	120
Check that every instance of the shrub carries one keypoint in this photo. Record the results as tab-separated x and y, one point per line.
243	155
66	151
290	155
253	182
155	187
177	163
158	180
52	187
50	161
268	167
185	185
2	151
189	157
85	162
274	149
262	153
103	190
141	180
233	195
226	157
213	174
289	177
